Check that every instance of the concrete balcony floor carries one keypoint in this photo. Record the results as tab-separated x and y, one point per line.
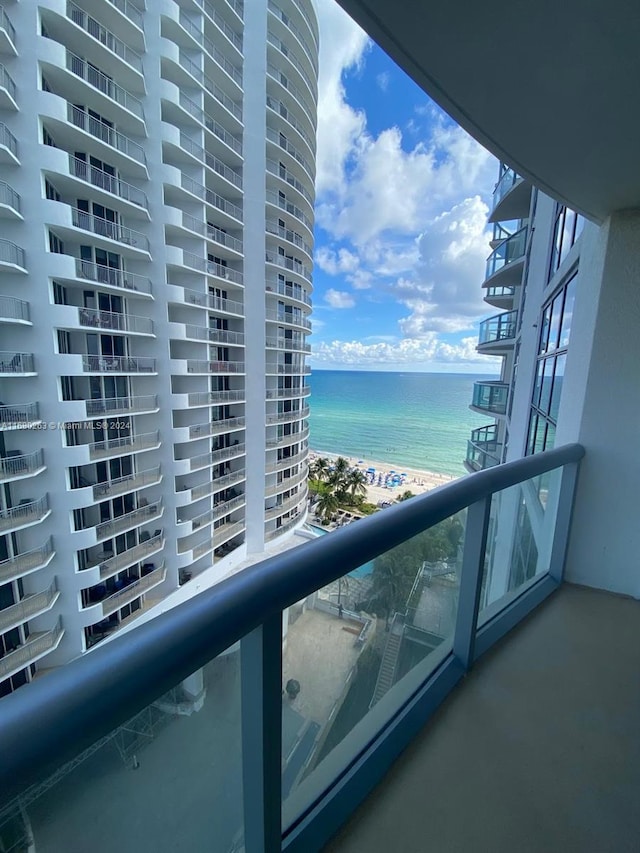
538	749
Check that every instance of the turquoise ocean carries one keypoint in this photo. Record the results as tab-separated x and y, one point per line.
421	420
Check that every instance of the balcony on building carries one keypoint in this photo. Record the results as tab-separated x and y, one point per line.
511	196
505	264
500	297
490	397
497	333
12	257
10	204
483	449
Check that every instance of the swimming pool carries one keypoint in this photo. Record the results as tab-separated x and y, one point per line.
362	571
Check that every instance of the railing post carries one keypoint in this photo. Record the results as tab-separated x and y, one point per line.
566	498
261	702
475	541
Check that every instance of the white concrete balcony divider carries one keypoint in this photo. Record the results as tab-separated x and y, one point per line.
91	75
113	565
126	484
19	416
129	520
204	460
117	364
213	486
9	197
272	226
28	607
104	36
104	181
134	590
122	279
93	318
27	513
17	363
230	69
16	466
105	133
289	207
36	647
14	310
289	117
122	405
287	417
233	107
216	427
12	255
110	230
27	562
125	445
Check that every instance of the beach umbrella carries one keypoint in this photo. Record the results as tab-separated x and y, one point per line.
371	469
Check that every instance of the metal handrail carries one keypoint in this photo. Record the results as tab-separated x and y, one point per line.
105	181
282	110
14	309
59	716
83	69
99	32
9	196
105	133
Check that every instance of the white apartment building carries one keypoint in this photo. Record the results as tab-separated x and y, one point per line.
156	205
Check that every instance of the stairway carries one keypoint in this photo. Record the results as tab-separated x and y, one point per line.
389	662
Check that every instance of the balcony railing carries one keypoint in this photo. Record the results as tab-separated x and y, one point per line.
23	564
129	10
292	344
210	160
288	317
292	264
502	327
285	175
218	57
126	444
133	590
195	365
6	82
273	227
111	405
61	716
27	512
213	303
218	511
12	254
287	525
483	449
115	564
212	268
19	415
215	398
510	250
273	198
143	515
117	364
286	20
214	336
14	309
286	417
113	277
288	393
284	112
105	132
496	292
21	465
210	10
115	322
216	456
216	427
490	396
287	461
211	232
99	178
282	142
212	88
286	83
287	369
104	36
286	505
5	24
292	57
33	649
107	228
9	196
507	180
16	362
8	139
224	482
28	607
126	484
90	74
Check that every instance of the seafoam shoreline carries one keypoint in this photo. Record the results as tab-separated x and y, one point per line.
416	480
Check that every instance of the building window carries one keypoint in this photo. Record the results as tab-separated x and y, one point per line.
567	228
555	330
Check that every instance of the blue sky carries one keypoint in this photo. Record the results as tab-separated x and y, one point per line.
402	197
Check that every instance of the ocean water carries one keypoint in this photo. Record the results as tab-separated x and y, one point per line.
421	420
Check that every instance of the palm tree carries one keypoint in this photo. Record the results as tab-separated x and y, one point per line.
405	496
327	504
320	468
356	483
337	477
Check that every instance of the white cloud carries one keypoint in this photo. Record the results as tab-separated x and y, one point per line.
342	46
409	351
335	263
339	299
382	81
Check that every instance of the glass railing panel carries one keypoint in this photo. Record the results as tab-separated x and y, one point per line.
172	775
508	251
521	529
356	649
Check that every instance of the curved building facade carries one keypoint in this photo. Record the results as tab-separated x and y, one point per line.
157	175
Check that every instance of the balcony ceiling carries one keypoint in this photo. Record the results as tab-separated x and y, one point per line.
550	88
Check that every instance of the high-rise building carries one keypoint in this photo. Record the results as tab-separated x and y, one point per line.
156	194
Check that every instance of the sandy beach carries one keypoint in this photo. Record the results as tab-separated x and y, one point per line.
416	481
